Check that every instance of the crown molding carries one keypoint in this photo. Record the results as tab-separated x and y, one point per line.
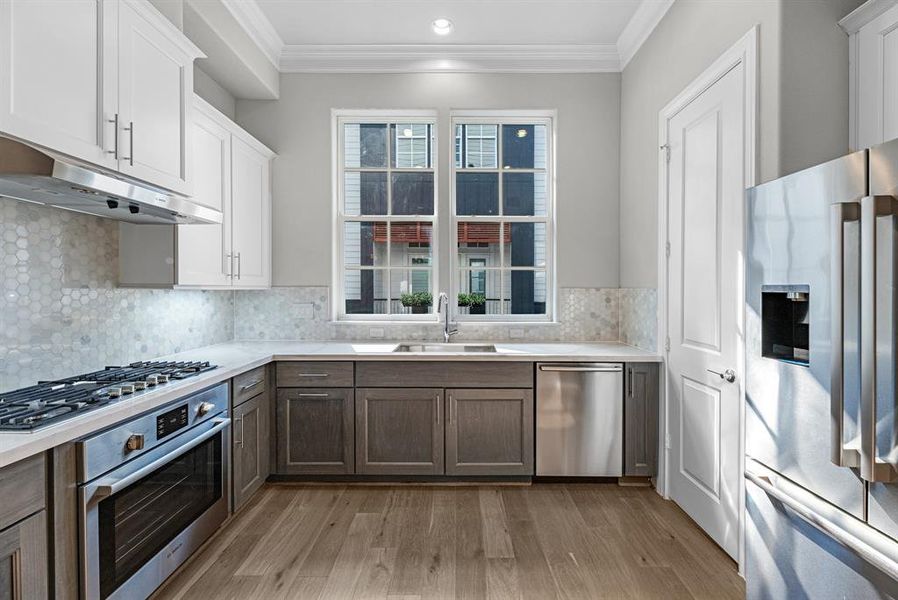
641	25
865	13
258	27
449	58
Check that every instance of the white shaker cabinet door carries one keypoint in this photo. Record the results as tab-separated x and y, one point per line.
204	251
155	78
51	71
251	215
876	98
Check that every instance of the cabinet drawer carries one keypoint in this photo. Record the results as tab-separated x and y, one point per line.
249	384
460	374
315	374
23	488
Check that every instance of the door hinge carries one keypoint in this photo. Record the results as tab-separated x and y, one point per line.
667	442
667	344
667	249
666	149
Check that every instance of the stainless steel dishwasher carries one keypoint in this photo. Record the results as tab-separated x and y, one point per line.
580	419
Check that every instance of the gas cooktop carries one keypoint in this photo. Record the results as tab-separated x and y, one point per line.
49	402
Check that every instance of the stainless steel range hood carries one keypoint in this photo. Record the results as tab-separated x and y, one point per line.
40	176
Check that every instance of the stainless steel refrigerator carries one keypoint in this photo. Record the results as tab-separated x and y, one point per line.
821	416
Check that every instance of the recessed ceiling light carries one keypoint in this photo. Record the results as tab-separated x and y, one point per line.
442	26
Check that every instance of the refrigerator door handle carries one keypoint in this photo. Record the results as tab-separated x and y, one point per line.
871	545
841	214
872	469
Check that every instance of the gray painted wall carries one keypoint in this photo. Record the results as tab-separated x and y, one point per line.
298	128
209	90
814	76
686	41
803	92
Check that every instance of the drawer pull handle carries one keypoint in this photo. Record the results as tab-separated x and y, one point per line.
313	374
250	386
306	395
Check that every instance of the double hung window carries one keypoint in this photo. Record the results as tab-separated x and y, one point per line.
500	263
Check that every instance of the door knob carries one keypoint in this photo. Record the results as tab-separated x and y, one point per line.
729	375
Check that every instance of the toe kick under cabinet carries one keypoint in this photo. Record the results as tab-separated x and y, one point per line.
405	418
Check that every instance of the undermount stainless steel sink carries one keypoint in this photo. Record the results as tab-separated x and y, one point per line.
445	348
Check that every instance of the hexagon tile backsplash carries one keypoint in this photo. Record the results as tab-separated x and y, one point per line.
61	312
584	315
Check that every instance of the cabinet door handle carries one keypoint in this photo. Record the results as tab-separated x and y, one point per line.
130	129
240	441
451	402
114	151
229	258
238	266
437	397
629	383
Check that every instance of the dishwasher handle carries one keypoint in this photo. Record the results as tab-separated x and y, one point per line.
578	369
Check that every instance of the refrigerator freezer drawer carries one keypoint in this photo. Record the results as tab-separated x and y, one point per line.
790	552
580	419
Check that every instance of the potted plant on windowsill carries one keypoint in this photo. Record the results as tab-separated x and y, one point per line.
476	303
419	302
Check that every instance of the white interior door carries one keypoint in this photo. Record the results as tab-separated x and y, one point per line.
706	183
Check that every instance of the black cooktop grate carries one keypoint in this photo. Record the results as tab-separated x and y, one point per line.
49	402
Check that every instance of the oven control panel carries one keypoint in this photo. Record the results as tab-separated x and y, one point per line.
106	450
169	422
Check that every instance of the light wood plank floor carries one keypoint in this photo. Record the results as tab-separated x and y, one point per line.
544	541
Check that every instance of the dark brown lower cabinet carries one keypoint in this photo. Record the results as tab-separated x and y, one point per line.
23	559
489	432
641	420
399	431
250	431
315	431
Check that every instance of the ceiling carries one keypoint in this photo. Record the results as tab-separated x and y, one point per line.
489	35
476	21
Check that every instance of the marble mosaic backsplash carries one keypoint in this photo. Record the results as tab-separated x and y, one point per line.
61	312
294	313
638	317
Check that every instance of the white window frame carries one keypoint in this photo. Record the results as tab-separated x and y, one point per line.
505	117
339	118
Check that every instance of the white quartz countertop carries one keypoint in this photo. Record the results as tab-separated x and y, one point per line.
234	358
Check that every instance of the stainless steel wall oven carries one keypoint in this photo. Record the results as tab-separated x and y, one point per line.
151	491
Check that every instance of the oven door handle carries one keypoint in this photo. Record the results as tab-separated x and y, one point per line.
109	487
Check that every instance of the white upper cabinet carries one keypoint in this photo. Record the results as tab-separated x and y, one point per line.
232	173
51	75
108	82
204	251
155	88
251	214
873	56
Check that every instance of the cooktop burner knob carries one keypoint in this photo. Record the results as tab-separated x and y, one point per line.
204	408
162	377
152	379
135	442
